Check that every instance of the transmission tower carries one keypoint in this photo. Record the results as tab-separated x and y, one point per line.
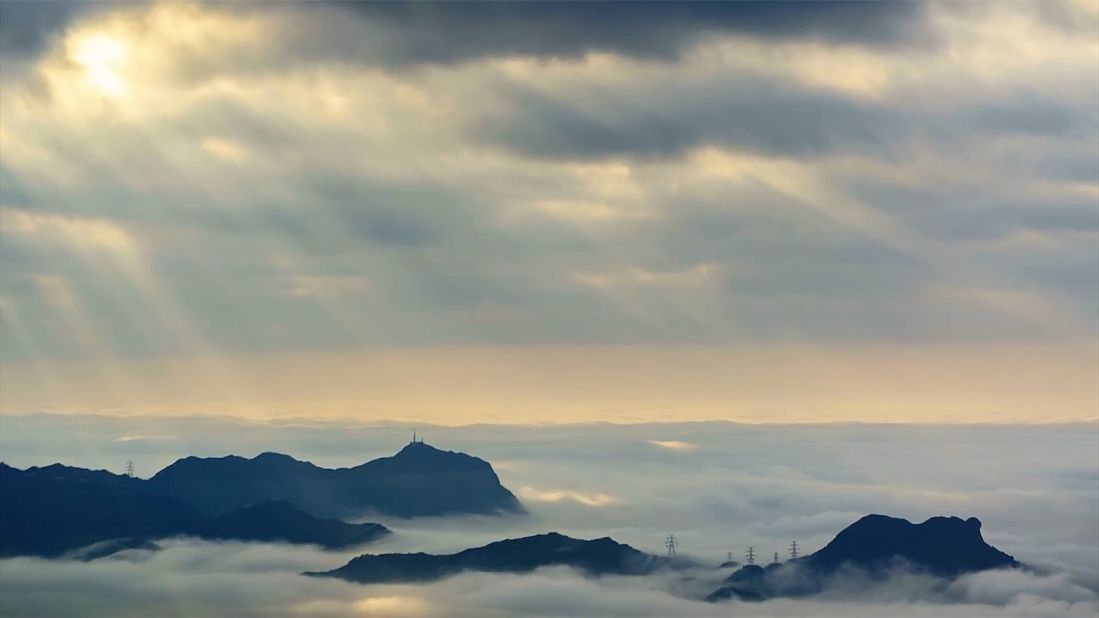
729	557
751	555
793	550
671	544
776	557
130	468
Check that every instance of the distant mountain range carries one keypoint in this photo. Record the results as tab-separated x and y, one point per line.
872	547
595	557
61	511
56	509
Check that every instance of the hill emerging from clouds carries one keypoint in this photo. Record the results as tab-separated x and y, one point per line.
418	481
50	510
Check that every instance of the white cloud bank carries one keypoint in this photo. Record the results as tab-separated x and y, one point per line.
1034	487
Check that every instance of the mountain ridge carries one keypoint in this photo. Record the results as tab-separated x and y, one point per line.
874	545
59	510
54	509
419	480
594	557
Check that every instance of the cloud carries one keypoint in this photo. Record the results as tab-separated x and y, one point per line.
132	438
675	445
413	35
28	26
742	485
557	495
261	584
1005	587
209	182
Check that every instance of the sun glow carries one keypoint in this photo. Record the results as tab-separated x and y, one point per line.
103	57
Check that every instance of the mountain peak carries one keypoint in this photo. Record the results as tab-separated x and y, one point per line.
272	456
875	544
947	545
419	446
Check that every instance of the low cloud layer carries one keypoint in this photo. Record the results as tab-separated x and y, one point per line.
1033	487
198	579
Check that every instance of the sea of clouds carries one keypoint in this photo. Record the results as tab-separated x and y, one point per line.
719	487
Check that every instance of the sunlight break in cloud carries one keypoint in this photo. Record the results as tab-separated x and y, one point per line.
492	220
675	445
528	182
558	495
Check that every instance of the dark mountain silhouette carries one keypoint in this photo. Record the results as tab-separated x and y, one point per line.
58	510
873	546
596	557
283	522
48	511
55	509
941	545
748	583
420	480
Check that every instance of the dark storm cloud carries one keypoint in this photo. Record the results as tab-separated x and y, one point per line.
579	118
268	172
447	32
28	26
664	120
413	33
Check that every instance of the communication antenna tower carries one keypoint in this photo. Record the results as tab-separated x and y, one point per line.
793	550
751	555
130	468
671	544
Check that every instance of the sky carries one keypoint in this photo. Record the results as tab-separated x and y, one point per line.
540	213
719	487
